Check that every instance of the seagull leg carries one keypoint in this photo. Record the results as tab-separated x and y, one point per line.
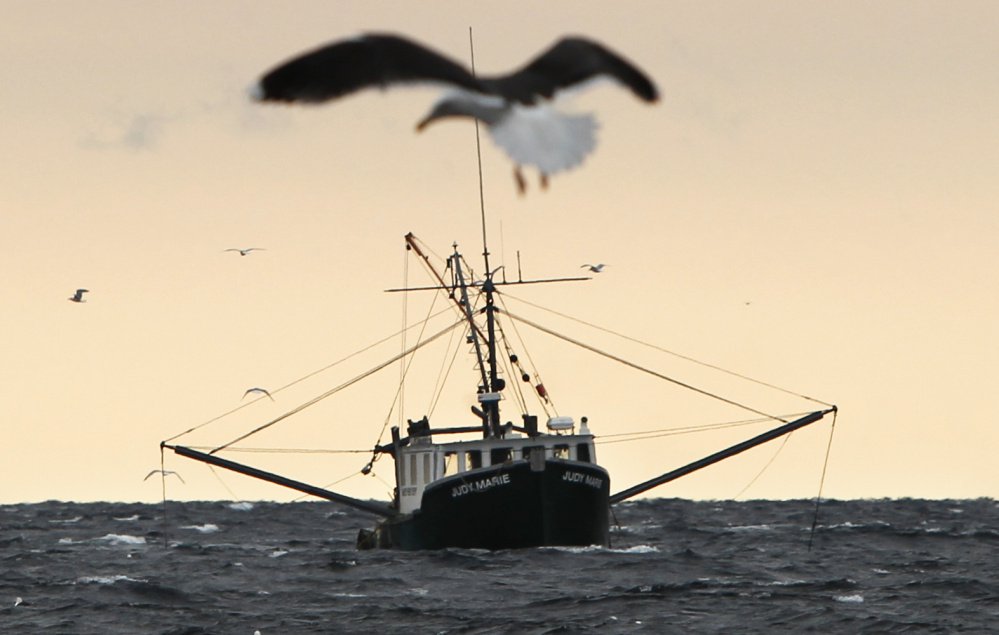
544	181
518	176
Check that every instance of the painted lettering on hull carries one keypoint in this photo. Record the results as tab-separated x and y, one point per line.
481	485
578	477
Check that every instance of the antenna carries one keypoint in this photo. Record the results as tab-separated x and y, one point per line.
478	152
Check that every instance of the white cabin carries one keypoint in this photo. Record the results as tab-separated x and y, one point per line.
421	462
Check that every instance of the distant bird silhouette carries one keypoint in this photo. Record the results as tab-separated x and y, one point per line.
78	296
165	473
257	390
514	107
594	268
243	252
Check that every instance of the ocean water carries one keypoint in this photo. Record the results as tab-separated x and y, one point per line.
675	566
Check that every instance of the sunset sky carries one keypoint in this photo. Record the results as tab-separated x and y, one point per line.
812	203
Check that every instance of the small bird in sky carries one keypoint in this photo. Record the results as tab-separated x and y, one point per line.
514	107
78	296
257	390
243	252
165	473
594	268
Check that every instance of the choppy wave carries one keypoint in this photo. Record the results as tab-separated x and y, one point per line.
674	567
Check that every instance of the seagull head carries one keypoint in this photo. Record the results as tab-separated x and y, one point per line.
489	109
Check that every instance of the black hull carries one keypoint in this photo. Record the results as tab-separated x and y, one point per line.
507	506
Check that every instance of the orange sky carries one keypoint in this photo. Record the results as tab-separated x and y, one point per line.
831	165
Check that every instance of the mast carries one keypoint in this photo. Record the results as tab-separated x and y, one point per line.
495	384
487	366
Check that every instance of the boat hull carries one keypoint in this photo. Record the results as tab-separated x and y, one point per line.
508	506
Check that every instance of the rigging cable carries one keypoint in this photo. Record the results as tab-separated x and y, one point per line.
822	480
328	393
673	353
766	466
405	366
443	374
511	364
163	484
232	494
545	400
297	381
645	370
669	432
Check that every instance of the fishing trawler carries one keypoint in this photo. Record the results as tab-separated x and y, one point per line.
522	482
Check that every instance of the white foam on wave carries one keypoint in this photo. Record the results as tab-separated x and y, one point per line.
593	548
750	528
241	507
278	553
123	539
207	528
128	519
106	579
67	521
850	599
637	549
795	582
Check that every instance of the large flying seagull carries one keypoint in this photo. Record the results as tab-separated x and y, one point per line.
516	108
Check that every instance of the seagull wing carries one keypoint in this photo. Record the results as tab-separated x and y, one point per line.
569	62
347	66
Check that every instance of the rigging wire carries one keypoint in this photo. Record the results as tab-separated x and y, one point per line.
406	365
280	450
333	391
673	353
352	474
707	427
297	381
443	373
822	480
163	485
766	466
643	369
511	368
671	432
547	399
232	494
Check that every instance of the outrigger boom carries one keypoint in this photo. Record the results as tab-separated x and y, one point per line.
387	511
374	508
787	428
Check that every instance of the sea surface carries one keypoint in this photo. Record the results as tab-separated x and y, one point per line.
675	566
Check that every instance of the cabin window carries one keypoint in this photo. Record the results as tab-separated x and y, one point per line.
474	459
583	452
500	455
532	449
412	468
426	468
450	464
561	452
